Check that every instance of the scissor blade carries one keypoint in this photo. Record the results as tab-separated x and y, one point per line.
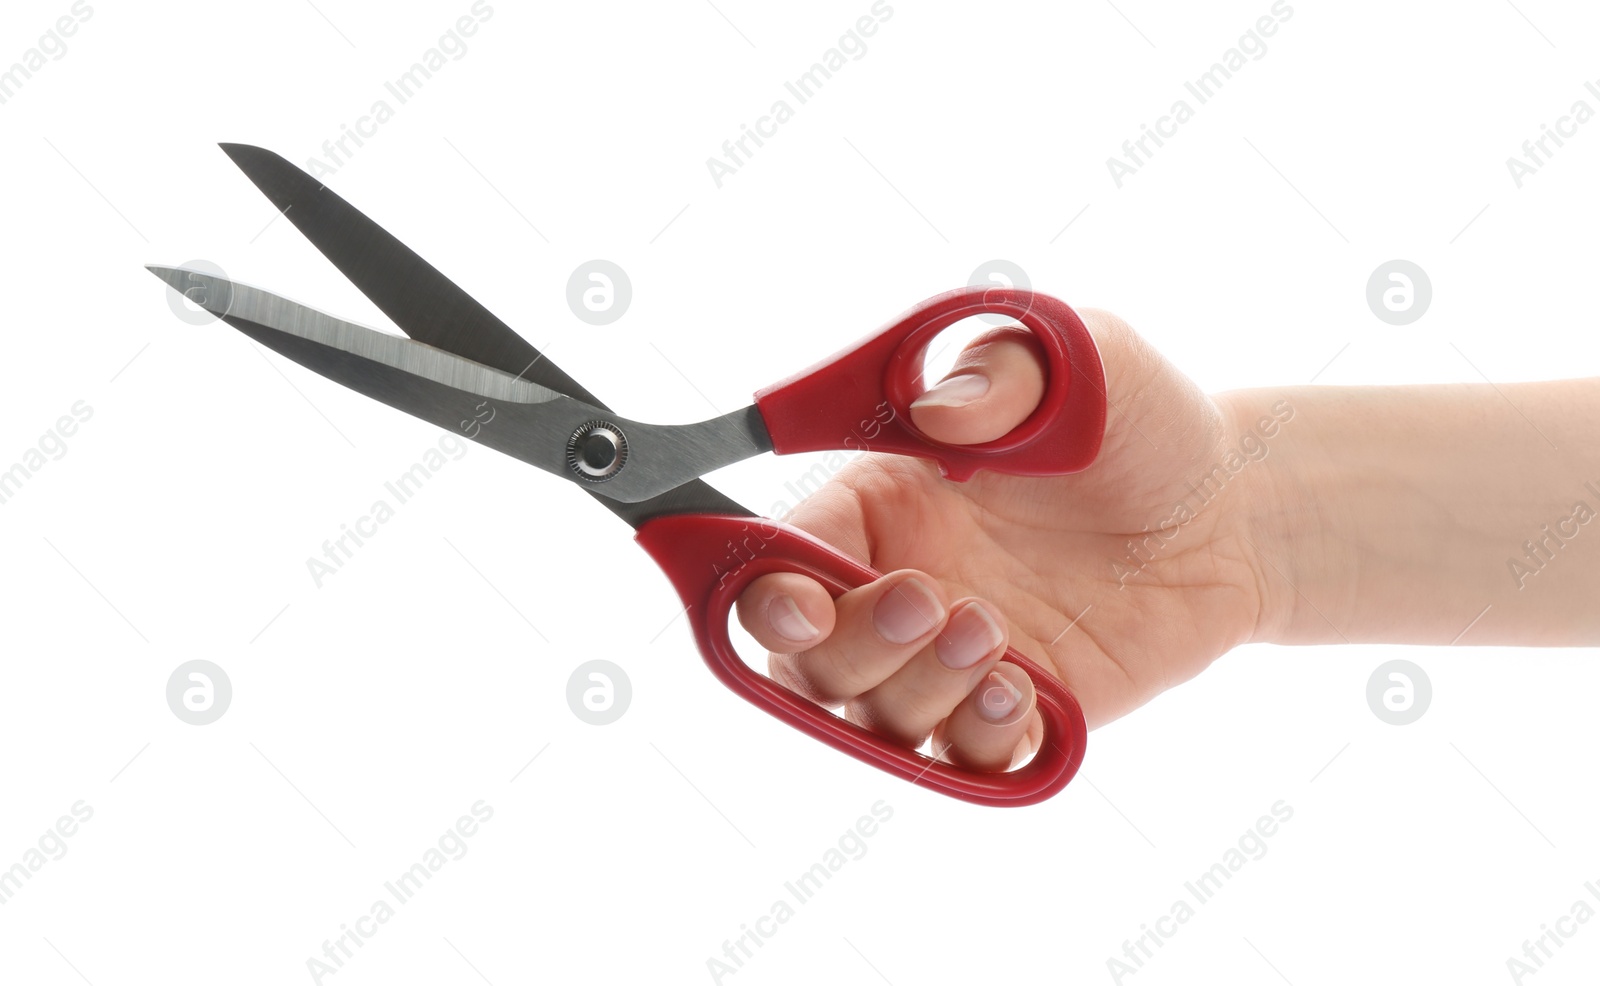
522	419
254	305
426	305
430	308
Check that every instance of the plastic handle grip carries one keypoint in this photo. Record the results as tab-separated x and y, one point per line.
711	558
860	397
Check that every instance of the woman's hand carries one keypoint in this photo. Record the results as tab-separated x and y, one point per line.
1124	579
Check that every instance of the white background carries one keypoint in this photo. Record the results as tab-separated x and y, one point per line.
370	713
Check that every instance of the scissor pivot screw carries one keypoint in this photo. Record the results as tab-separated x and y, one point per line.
596	451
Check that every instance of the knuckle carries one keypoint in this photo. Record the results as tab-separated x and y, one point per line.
785	669
845	674
1104	325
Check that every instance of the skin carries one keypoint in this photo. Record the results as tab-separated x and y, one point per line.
1312	515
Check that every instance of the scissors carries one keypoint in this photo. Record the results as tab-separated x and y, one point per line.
463	368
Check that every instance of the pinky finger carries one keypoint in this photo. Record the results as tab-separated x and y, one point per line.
996	725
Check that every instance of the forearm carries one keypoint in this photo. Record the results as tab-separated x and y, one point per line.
1408	514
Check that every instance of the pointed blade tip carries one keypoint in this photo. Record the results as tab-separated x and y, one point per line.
237	150
170	276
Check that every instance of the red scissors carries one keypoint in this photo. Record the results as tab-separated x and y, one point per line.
464	368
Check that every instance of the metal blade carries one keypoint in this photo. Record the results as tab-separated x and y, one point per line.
432	309
522	419
426	305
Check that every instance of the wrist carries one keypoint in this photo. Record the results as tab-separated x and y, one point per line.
1278	522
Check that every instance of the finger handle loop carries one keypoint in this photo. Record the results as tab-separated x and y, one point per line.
859	399
711	558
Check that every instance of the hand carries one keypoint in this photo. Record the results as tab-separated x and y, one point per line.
1068	570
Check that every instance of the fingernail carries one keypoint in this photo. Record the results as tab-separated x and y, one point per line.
999	697
906	611
970	635
958	391
788	621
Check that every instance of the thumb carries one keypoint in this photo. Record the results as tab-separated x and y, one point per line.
995	384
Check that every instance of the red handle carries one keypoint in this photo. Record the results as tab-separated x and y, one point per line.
710	558
860	397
